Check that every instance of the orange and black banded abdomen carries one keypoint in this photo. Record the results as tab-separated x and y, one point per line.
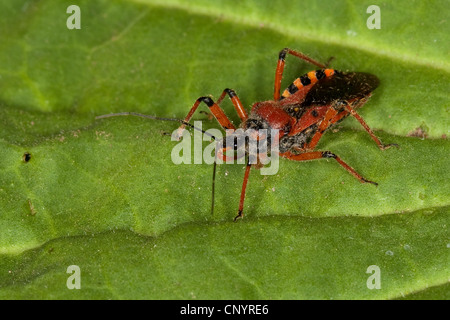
310	78
330	85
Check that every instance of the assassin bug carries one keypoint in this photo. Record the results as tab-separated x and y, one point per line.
301	114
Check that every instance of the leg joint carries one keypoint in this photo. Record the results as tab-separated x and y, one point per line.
283	53
230	92
340	105
207	100
328	154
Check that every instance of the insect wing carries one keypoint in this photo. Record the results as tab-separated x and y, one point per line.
341	86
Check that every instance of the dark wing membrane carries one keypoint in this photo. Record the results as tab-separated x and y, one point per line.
341	86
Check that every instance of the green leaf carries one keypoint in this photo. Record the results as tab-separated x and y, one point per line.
104	194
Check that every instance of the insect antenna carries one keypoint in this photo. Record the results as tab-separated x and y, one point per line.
153	118
213	186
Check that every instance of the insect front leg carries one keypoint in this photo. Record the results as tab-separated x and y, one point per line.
217	111
236	103
244	186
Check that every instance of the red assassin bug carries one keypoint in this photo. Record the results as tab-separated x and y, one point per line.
304	111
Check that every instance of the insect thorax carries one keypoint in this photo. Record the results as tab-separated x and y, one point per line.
298	141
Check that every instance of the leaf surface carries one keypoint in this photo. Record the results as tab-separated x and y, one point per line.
106	196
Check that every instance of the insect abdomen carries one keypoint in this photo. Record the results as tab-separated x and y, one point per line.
310	78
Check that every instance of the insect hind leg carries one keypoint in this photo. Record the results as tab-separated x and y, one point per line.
352	111
326	154
280	67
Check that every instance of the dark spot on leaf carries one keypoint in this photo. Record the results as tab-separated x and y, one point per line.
26	157
164	133
419	132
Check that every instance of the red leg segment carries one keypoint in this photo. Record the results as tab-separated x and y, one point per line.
217	111
325	154
324	124
244	186
332	116
280	68
236	102
382	146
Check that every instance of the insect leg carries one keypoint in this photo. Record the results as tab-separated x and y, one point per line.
382	146
325	154
215	110
324	124
280	68
244	186
223	121
236	102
